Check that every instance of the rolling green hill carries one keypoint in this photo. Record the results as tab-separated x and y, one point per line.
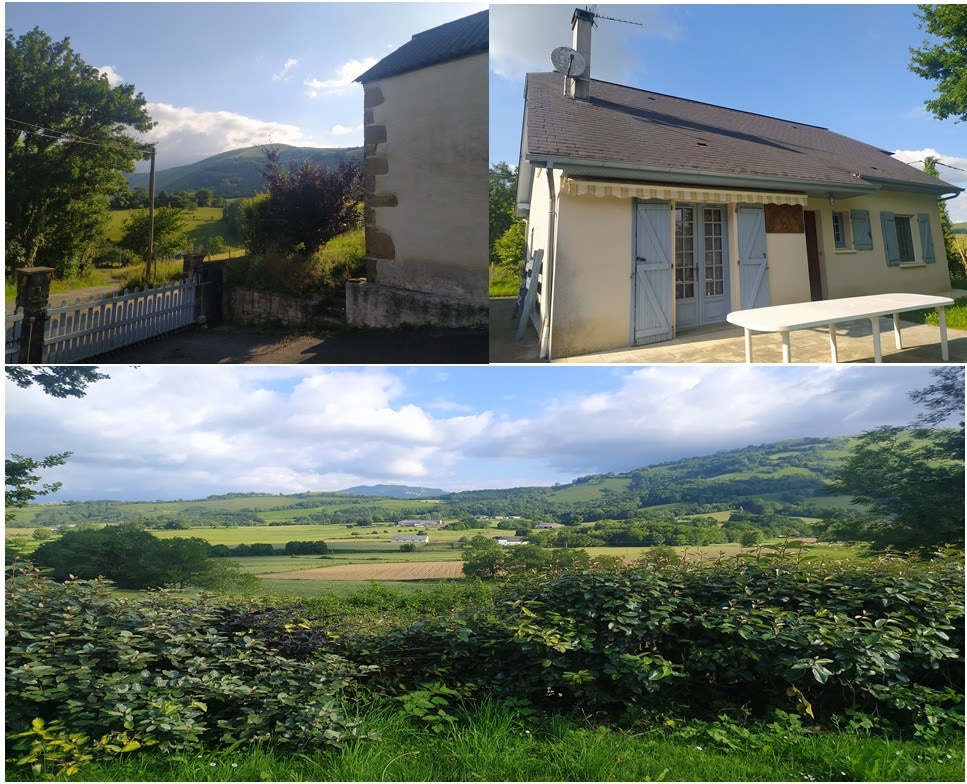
788	475
237	173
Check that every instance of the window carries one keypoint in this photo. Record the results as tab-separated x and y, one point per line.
839	230
899	240
684	253
714	252
904	238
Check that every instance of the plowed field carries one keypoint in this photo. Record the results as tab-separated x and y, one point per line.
401	571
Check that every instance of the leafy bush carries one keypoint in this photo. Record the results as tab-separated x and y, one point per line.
89	672
747	638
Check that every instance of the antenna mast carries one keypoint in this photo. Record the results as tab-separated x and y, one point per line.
591	9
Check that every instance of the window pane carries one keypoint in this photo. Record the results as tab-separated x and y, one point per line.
904	238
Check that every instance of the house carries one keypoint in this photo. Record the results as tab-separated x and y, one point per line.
508	541
426	168
547	526
650	214
411	538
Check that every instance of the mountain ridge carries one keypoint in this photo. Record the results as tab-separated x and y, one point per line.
238	173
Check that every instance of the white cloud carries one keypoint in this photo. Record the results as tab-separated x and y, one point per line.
168	432
184	135
659	414
522	37
345	75
332	429
954	172
113	78
284	73
344	130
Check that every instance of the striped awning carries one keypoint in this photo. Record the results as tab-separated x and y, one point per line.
640	190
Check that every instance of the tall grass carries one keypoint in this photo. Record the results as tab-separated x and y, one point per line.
496	742
504	281
305	275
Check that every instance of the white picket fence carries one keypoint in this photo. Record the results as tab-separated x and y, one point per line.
14	330
85	329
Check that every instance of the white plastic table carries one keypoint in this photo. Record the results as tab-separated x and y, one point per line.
829	312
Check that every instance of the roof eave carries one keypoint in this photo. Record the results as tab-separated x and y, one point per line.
940	189
579	167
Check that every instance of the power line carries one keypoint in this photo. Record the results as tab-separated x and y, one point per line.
49	133
941	163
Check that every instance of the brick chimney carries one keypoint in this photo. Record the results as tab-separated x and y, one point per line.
581	23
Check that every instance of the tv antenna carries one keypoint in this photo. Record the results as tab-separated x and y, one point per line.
592	9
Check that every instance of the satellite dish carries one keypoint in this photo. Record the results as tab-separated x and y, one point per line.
568	61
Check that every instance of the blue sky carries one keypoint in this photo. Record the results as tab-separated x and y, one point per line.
221	76
169	432
843	67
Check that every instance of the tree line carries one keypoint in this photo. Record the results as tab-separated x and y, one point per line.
134	558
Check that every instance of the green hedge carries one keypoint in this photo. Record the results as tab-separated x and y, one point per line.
883	639
91	673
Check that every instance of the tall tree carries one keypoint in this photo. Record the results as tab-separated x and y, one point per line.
503	200
949	239
67	145
909	482
23	484
126	554
22	481
169	232
944	62
57	380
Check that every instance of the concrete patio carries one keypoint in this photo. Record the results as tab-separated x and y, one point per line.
724	343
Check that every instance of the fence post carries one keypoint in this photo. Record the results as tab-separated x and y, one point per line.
33	291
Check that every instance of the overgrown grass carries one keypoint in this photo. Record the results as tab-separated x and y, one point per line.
956	315
305	275
496	742
504	281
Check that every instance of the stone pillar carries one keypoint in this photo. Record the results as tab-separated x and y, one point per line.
33	291
208	299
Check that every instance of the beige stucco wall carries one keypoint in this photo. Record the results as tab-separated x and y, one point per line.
592	290
848	273
432	197
787	268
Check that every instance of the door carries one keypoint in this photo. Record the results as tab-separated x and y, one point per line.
652	284
753	264
812	256
701	265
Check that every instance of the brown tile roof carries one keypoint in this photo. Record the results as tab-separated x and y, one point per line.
450	41
636	127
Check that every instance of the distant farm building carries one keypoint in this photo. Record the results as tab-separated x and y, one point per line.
420	524
412	538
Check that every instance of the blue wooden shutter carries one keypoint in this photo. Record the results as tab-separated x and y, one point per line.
654	276
862	235
926	238
889	239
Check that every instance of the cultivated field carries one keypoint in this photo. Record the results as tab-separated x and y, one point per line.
398	571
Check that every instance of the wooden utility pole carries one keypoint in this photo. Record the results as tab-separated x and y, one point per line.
150	265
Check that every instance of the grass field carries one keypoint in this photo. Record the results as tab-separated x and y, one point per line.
588	491
493	743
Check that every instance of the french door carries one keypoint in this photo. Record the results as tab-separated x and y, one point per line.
701	265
